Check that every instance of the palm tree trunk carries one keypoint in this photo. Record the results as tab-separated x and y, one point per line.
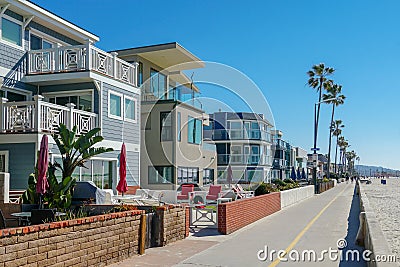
337	144
330	141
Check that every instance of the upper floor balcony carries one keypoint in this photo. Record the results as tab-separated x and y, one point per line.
40	116
80	58
241	134
244	159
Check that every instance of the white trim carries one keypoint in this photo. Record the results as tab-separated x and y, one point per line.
4	8
53	19
135	109
6	159
11	19
77	75
116	83
121	96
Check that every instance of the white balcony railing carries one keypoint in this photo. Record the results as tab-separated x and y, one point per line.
81	58
41	116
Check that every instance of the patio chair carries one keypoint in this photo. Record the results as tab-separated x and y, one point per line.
184	195
39	216
246	193
214	192
4	220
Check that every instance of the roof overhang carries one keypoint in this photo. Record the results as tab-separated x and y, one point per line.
49	20
184	80
171	56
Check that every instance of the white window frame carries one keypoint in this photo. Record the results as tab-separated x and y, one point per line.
20	47
135	110
122	105
6	159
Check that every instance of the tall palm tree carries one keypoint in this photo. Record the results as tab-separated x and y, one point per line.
318	80
334	97
343	144
351	156
337	131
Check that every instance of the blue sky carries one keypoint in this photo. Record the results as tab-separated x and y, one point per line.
275	43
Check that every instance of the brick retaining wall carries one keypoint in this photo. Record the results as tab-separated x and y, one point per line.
235	215
88	241
173	224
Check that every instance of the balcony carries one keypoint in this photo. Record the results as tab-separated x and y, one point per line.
80	58
150	97
237	134
41	116
279	163
243	159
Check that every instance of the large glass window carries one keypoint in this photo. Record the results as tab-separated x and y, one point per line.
39	43
195	130
130	109
115	105
158	83
208	176
81	101
161	175
188	175
165	126
11	31
98	171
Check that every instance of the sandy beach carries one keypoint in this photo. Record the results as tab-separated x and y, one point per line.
385	200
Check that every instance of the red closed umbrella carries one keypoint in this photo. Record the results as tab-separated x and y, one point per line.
229	175
122	187
42	165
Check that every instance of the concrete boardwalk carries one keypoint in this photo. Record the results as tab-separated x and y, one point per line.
313	224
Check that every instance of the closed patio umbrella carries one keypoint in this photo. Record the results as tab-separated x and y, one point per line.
42	165
229	175
298	174
122	187
293	174
303	174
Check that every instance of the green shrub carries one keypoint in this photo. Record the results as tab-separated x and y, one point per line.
265	188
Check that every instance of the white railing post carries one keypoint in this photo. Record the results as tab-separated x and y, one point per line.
3	114
37	113
135	71
70	117
57	58
88	55
114	58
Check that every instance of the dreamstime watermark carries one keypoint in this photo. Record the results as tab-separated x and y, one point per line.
330	254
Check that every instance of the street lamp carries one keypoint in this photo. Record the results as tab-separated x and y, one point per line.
315	154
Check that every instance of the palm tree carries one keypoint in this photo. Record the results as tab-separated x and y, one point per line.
334	97
318	80
343	144
337	131
350	156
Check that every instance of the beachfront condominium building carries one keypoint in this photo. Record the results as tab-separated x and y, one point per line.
51	73
172	119
301	161
243	142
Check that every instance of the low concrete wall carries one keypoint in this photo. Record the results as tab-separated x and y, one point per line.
370	234
234	215
292	196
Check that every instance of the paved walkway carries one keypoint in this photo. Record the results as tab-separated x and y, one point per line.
313	224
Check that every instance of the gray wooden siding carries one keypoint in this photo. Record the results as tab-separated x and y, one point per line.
21	163
119	130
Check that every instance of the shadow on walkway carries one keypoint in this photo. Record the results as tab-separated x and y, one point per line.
204	231
352	229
